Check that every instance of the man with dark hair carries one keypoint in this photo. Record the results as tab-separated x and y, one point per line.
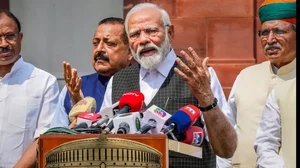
110	54
26	109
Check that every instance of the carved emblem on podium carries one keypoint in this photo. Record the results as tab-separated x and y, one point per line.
103	152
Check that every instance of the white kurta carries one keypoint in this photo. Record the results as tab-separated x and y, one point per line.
28	97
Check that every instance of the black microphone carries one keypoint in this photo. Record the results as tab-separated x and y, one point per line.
82	127
100	122
149	125
108	127
124	128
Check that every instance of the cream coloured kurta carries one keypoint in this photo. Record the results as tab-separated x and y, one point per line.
275	143
247	99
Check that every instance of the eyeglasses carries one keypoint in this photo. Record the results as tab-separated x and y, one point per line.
11	37
277	32
150	32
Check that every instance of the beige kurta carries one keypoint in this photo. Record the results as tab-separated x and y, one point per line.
251	90
286	99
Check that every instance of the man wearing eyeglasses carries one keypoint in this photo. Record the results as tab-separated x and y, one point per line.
171	82
253	84
28	97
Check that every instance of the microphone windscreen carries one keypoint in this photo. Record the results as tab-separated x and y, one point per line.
88	118
192	111
184	118
87	104
133	99
181	120
194	135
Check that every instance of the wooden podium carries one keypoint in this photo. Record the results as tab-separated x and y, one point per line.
49	141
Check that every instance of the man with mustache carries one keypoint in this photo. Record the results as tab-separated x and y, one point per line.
171	82
28	98
253	84
110	54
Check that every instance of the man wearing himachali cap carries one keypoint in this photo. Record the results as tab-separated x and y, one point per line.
253	85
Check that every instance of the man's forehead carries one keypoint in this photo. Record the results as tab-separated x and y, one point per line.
275	23
7	21
8	28
145	15
109	30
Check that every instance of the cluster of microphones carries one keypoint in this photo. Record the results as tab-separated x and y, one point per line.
127	117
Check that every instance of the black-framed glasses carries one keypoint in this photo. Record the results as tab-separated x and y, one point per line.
10	37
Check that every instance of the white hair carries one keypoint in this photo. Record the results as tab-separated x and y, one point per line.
165	16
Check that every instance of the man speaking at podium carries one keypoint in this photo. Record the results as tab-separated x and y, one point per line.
168	82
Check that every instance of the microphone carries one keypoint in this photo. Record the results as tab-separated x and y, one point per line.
83	128
182	119
108	127
150	125
128	123
110	112
107	114
194	135
154	119
80	125
87	104
124	128
100	122
88	118
131	102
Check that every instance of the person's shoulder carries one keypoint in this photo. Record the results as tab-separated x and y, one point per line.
38	72
128	69
256	67
93	75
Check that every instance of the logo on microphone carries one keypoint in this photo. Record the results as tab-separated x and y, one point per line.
197	138
160	112
137	123
89	115
131	94
190	110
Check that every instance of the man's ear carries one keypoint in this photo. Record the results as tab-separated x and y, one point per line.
129	55
21	35
171	32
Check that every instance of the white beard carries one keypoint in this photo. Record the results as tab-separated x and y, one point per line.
152	62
